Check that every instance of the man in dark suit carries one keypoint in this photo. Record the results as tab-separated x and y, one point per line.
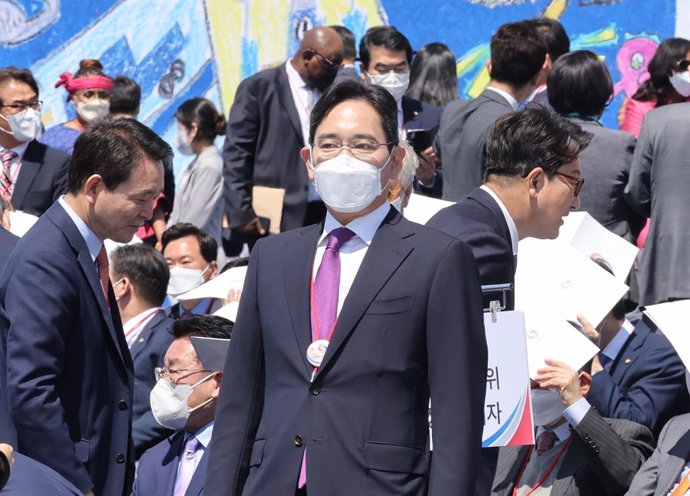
177	465
267	127
67	377
578	452
27	477
347	68
140	280
517	59
348	413
32	175
518	199
385	55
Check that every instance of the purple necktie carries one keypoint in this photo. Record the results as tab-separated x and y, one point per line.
326	286
186	467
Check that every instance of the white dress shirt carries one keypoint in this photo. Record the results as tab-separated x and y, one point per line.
511	100
512	228
136	324
305	97
93	242
352	252
16	162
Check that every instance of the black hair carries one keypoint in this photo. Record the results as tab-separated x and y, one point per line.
207	245
16	74
125	96
535	137
201	111
383	36
145	267
433	77
348	39
113	148
658	86
376	96
554	37
579	83
206	326
517	53
238	262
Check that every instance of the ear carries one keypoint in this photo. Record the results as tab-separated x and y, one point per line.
488	66
218	378
308	54
213	267
585	383
123	288
398	156
193	130
305	153
363	73
535	181
92	187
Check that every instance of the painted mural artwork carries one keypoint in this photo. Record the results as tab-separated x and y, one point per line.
178	49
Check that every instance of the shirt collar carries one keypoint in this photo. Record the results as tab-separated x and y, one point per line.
562	431
19	149
364	227
294	76
93	242
203	435
511	100
616	344
137	319
512	228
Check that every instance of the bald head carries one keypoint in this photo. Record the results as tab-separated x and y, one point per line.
319	56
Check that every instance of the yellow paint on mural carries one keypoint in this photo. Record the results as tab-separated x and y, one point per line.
556	9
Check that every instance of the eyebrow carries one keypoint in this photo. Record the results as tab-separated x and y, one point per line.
356	136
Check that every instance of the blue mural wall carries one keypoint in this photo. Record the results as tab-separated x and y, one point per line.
178	49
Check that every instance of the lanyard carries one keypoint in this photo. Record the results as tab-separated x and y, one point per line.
305	107
548	471
136	326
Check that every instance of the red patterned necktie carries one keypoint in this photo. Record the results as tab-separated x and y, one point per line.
6	159
103	274
545	442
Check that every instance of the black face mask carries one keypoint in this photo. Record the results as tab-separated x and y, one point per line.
324	79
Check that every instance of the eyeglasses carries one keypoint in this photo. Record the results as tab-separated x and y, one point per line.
360	148
165	373
18	107
682	65
579	182
331	64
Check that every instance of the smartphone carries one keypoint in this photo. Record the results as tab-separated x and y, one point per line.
265	223
421	139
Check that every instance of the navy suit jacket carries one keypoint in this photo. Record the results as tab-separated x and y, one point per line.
7	243
31	478
411	325
157	469
646	382
461	141
66	378
147	353
479	221
262	145
42	178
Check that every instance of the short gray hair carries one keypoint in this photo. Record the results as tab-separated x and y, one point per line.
409	166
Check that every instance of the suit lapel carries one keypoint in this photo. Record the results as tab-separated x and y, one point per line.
573	458
288	103
196	485
146	333
27	173
297	269
387	251
670	468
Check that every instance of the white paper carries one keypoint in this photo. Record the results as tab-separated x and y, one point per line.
422	208
219	286
551	336
565	280
21	222
228	311
672	319
581	231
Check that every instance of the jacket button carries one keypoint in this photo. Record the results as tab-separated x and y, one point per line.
120	458
298	441
122	405
316	390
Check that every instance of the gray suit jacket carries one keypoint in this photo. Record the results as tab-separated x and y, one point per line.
605	165
658	474
601	460
461	141
658	187
199	196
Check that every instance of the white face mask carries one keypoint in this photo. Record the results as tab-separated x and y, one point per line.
547	407
347	184
24	126
183	280
396	83
184	144
169	402
681	82
687	379
92	109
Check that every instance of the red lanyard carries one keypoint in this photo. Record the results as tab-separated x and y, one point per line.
307	110
548	471
138	324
